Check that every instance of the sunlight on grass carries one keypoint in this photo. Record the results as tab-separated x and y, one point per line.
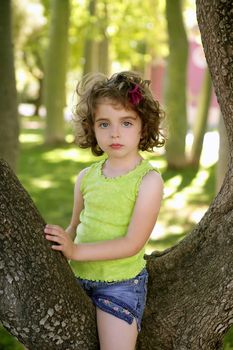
178	201
171	185
69	138
30	138
209	154
196	187
200	179
74	154
157	162
197	214
184	204
42	183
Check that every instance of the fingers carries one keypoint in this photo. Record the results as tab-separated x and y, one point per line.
57	247
55	234
54	230
54	238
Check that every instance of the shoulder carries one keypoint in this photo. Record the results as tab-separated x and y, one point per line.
150	193
80	176
88	174
151	184
152	178
82	173
85	171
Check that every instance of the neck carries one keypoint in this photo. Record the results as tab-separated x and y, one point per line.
115	167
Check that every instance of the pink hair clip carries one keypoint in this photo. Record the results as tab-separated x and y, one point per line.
135	95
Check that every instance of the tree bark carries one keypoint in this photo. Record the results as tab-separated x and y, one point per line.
190	294
40	301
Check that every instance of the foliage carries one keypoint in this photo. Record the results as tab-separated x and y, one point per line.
30	40
135	38
7	342
136	31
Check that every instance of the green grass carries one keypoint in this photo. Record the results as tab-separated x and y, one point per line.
48	174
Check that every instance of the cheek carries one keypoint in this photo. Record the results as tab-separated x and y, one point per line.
100	137
143	130
96	130
140	131
140	126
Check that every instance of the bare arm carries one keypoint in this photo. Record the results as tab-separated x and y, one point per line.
143	220
77	207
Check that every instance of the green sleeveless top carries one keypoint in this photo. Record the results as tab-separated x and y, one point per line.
108	207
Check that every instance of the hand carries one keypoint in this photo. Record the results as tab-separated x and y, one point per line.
64	242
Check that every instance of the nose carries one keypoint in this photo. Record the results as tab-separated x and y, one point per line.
115	131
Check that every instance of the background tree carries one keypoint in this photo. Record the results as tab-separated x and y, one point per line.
55	72
29	35
129	34
175	94
104	63
223	154
9	127
91	45
137	32
200	122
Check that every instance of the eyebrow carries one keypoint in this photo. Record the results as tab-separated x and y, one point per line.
121	118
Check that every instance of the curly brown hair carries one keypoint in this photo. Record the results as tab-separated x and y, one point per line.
127	89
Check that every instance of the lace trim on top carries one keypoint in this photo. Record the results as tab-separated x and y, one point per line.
114	178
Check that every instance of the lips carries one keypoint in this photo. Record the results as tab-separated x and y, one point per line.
116	145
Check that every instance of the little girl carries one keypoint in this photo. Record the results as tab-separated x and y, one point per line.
116	202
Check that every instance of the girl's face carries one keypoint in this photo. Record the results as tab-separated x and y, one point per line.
117	130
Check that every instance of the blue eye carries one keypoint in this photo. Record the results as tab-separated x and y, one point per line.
103	125
127	124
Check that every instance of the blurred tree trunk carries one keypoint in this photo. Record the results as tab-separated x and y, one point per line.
38	74
104	43
55	72
91	45
9	125
200	121
223	155
190	292
175	89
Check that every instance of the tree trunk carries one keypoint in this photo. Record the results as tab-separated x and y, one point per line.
104	43
55	72
190	292
91	49
9	125
200	122
223	155
175	89
40	301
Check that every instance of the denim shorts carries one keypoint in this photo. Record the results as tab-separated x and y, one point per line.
124	299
